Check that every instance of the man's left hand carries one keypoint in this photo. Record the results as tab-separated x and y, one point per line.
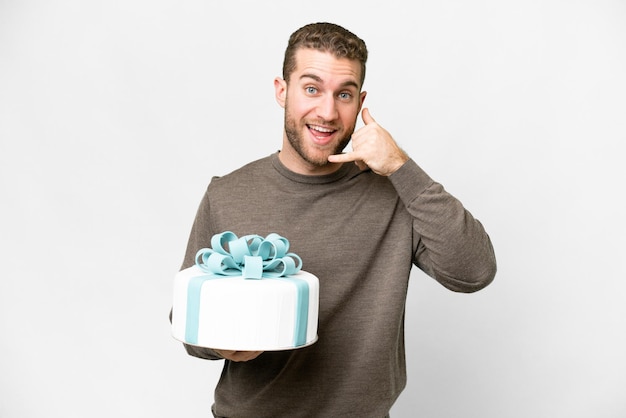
373	147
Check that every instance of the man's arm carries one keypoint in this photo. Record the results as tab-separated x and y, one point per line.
453	246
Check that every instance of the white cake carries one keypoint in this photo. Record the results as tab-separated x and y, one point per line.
223	309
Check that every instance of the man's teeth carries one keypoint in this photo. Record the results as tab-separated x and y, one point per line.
320	129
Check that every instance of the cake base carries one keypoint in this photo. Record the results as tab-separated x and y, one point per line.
233	313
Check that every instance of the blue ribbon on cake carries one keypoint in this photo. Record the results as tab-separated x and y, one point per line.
251	257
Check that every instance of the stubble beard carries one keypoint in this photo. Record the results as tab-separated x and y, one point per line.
294	135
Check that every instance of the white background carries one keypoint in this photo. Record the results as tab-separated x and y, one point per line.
114	115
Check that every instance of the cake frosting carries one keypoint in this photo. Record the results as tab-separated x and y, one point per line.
246	293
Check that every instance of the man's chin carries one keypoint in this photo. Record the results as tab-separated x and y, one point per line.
318	163
319	160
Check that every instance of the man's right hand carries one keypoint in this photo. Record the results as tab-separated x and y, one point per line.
238	356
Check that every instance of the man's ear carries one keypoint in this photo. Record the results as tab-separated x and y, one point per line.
362	99
280	91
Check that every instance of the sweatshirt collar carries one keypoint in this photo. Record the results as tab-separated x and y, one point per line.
342	172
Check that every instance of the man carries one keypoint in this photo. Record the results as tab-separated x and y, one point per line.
359	221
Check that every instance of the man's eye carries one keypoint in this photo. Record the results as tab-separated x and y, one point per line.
311	90
345	96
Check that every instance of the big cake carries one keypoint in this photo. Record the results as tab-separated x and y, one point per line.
246	293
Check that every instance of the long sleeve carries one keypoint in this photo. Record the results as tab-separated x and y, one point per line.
453	246
200	237
201	232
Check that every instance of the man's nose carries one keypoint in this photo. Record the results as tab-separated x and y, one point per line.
327	108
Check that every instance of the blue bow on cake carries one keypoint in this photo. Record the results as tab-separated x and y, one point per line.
251	256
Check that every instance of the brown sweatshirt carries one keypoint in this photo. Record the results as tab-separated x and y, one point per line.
360	234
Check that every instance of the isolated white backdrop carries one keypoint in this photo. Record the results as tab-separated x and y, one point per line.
114	115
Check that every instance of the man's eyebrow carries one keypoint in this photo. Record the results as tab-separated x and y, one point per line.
313	76
349	83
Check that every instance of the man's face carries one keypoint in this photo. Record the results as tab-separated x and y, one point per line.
322	100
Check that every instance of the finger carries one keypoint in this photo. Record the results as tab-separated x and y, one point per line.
238	356
343	158
367	117
225	353
362	166
246	355
347	157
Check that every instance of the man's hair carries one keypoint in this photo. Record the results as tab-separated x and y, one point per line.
325	37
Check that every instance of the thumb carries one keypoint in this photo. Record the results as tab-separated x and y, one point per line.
367	118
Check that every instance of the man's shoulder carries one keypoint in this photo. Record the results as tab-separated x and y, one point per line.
247	172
